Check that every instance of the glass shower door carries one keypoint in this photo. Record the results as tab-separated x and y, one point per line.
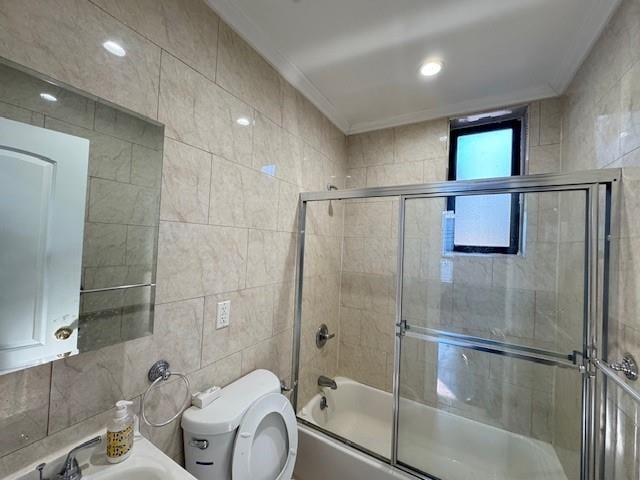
489	384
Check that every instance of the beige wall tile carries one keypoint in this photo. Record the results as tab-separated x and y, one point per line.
420	141
19	114
90	383
146	166
119	124
191	257
26	37
104	245
242	197
187	29
371	148
276	151
551	120
273	354
186	180
24	407
397	174
288	200
250	321
198	112
271	257
123	203
244	73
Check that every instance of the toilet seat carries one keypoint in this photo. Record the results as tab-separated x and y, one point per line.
243	453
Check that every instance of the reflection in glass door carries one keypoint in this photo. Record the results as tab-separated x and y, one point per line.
489	384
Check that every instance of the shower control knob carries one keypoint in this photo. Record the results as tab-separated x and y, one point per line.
322	335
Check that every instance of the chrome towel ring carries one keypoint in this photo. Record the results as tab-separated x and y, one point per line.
159	372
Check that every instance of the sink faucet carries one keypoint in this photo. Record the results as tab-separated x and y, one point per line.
327	382
71	470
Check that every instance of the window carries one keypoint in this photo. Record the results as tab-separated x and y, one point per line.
485	223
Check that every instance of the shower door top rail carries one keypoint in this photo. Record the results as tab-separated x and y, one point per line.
542	180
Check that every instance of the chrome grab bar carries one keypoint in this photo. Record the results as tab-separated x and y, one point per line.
120	287
612	375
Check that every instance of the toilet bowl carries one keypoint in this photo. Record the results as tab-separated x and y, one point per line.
248	433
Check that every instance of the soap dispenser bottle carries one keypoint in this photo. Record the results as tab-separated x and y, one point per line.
120	431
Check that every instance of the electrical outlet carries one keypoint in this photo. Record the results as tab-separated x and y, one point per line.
224	314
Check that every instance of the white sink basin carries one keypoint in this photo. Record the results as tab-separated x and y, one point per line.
146	462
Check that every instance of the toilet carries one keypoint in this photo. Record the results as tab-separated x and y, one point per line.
248	433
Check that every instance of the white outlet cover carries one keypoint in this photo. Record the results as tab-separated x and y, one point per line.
223	314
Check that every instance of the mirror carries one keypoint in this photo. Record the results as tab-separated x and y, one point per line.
107	259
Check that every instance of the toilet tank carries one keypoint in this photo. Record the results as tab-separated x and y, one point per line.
209	433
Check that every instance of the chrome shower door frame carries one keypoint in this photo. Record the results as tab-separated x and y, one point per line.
595	319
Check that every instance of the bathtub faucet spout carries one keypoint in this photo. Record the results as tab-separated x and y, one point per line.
327	382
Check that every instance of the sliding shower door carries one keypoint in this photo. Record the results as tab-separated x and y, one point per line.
491	335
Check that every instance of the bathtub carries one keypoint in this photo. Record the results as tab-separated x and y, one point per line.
442	444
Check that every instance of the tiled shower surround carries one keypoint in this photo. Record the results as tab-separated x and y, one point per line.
228	213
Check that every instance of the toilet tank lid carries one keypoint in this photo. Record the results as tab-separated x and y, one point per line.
224	414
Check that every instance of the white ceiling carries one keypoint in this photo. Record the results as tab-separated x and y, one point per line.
358	60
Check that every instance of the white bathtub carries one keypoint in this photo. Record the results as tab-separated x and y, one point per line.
442	444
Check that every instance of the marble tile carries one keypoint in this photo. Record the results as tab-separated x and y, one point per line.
316	170
630	128
397	174
27	33
302	118
141	245
363	365
533	123
109	157
435	169
472	270
369	255
198	112
118	275
283	306
20	114
191	256
89	383
356	178
420	141
368	219
119	124
288	201
187	29
243	72
114	202
371	148
273	354
242	197
23	90
551	121
222	373
535	270
373	292
608	128
277	152
104	245
322	255
544	159
271	257
146	166
325	218
24	406
186	180
250	321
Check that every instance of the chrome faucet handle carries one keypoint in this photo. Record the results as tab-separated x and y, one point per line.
71	470
40	468
322	335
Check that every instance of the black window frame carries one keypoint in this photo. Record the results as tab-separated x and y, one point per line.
516	168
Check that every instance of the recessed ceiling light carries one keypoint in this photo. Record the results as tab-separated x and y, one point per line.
115	48
48	97
431	68
244	121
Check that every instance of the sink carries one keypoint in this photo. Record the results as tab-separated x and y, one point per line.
146	462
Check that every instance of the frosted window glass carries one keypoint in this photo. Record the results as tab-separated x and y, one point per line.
485	220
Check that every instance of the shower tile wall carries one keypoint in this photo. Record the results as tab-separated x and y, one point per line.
228	206
601	129
500	297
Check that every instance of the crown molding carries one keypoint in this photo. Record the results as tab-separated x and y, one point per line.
461	108
595	19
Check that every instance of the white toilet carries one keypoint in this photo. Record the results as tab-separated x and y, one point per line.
248	433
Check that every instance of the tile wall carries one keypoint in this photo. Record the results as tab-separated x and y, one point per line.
228	204
601	129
